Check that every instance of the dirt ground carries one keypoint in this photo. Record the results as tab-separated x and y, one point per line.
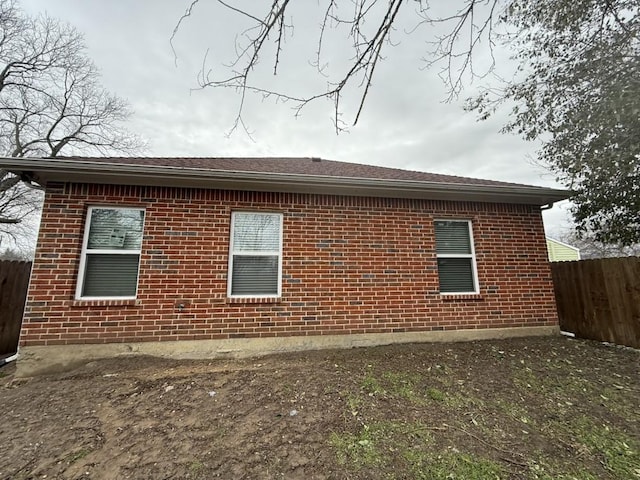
536	408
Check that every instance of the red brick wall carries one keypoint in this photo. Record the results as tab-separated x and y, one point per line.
350	265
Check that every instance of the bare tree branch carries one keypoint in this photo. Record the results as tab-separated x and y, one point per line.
370	25
51	102
575	84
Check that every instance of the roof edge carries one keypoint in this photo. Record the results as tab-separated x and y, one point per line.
82	171
551	239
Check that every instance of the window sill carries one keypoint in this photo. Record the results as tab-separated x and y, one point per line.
87	302
253	299
453	297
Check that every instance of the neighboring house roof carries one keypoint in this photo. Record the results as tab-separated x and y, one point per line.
561	252
303	175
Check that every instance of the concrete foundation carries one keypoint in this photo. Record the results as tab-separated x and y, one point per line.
56	358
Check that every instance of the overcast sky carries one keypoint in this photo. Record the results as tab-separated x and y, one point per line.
405	122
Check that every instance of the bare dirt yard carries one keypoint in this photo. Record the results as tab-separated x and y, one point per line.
536	408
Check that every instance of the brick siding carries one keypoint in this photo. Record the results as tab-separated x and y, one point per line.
350	265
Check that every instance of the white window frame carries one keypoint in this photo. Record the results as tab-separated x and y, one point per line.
254	253
106	251
472	255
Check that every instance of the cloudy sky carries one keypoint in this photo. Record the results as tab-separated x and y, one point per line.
405	122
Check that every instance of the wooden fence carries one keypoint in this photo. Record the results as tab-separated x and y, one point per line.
14	280
600	299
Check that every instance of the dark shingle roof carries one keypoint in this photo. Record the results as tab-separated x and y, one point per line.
294	166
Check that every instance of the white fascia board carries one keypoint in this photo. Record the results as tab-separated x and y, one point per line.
44	171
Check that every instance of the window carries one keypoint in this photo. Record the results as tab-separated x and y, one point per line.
111	253
456	257
255	259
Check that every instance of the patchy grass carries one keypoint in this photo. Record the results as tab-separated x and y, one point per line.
522	409
517	412
376	445
617	451
197	467
413	388
408	447
78	455
544	472
404	385
353	402
539	416
437	395
371	385
449	465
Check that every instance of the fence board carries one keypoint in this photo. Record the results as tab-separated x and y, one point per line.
14	280
600	299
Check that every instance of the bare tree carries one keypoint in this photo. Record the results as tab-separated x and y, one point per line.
592	248
51	102
574	87
14	255
369	26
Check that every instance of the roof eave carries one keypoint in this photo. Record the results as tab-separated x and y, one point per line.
45	171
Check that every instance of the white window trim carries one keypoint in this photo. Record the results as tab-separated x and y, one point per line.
472	256
83	254
260	253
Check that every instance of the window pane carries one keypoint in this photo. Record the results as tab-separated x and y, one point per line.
452	237
110	275
254	275
116	228
256	232
456	275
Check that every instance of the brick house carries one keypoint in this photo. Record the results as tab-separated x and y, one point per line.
196	257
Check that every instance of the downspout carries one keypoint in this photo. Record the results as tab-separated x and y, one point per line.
548	206
10	359
27	179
